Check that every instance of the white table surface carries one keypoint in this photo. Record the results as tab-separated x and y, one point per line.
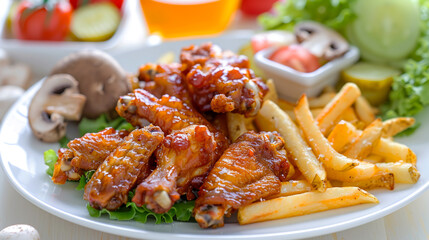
410	222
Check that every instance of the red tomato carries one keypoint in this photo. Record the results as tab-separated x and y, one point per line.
296	57
38	23
77	3
256	7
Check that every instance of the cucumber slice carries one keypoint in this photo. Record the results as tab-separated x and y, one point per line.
95	22
385	29
374	80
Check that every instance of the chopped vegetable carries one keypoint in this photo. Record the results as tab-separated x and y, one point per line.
374	80
296	57
95	125
51	158
84	179
95	22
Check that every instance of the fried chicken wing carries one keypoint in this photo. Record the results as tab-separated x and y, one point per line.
160	79
249	170
183	156
90	150
167	112
63	170
221	81
111	182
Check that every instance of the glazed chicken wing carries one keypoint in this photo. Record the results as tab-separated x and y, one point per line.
86	153
249	170
167	112
111	182
221	81
160	79
183	159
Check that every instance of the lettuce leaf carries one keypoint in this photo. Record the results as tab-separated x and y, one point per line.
181	211
50	158
84	179
95	125
336	14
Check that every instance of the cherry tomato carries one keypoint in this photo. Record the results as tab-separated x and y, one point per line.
77	3
256	7
38	22
296	57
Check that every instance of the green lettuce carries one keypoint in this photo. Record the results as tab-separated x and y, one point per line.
103	121
50	158
84	179
336	14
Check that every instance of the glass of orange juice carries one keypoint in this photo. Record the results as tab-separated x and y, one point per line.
183	18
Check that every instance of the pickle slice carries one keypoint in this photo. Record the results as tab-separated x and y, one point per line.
374	80
95	22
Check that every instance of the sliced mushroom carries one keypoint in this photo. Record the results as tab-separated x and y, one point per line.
57	100
16	74
8	95
101	79
321	41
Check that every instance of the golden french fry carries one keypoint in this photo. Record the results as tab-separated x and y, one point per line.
236	125
315	111
404	172
344	99
249	124
291	172
341	135
293	187
285	105
272	92
328	89
321	101
321	146
374	159
271	117
363	171
304	203
363	145
348	115
394	152
394	126
379	180
364	110
166	58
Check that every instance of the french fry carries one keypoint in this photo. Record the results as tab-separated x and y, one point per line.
373	159
341	135
316	111
285	105
344	99
321	147
394	126
363	171
394	152
304	203
249	124
379	180
348	115
322	100
271	117
293	187
290	173
236	125
272	92
364	144
364	110
403	172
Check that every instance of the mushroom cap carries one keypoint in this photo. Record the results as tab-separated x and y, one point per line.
19	232
50	128
101	79
321	41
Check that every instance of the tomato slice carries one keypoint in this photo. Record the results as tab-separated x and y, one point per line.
39	23
296	57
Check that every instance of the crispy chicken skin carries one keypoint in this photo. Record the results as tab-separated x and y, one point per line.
183	156
63	170
91	149
221	81
111	182
249	170
160	79
167	112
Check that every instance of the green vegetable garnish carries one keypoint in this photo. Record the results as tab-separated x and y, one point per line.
84	179
50	158
95	125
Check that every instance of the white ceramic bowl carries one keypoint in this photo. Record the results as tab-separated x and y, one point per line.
291	84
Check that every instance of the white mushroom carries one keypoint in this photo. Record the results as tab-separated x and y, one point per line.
8	95
19	232
16	74
57	100
321	41
101	79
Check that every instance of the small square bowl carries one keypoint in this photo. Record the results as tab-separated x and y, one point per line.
291	84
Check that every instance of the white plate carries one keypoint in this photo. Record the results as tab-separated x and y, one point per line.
22	161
